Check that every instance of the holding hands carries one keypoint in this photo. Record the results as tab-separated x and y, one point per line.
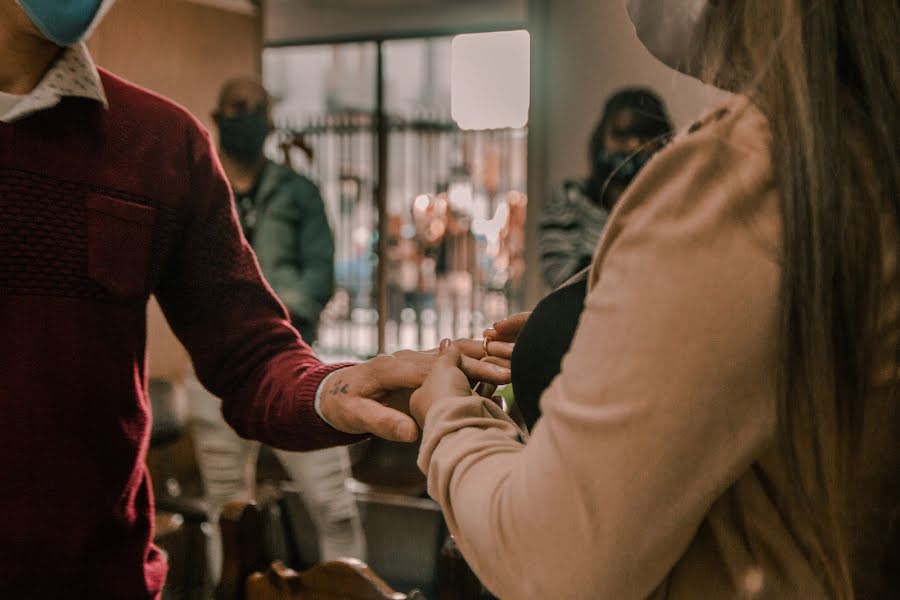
445	382
448	380
374	396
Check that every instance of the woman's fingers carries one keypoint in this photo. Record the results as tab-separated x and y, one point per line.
500	362
446	374
500	349
471	348
484	370
507	330
446	380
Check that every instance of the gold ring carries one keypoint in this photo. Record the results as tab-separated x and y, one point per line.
484	345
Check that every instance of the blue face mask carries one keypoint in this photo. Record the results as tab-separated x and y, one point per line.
65	22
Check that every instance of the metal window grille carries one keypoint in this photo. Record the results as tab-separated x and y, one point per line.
455	220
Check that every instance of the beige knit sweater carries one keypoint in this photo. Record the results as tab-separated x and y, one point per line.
652	472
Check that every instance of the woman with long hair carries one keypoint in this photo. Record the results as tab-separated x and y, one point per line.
725	423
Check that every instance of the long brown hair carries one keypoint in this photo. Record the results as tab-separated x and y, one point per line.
826	74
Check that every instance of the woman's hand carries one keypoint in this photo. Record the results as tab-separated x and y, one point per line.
507	330
446	380
498	343
486	350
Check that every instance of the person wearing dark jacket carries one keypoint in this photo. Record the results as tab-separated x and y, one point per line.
281	211
283	218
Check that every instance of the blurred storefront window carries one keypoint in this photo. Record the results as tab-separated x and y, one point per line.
455	198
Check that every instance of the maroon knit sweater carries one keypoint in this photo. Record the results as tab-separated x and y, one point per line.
98	210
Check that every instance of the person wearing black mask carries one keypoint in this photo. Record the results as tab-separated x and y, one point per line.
281	211
633	126
284	219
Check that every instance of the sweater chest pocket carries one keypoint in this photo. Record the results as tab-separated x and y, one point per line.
119	240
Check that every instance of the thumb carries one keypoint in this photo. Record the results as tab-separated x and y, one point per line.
507	330
447	373
449	355
370	416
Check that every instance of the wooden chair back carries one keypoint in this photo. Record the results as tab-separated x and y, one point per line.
245	576
242	548
341	579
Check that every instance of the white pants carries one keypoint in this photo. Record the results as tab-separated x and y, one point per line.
228	464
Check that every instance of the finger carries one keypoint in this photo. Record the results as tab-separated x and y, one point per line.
363	415
482	370
403	370
500	362
508	335
446	378
500	349
512	322
450	355
508	328
446	373
470	348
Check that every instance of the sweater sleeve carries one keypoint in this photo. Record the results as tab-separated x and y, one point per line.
665	398
236	331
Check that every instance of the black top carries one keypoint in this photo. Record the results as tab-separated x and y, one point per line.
543	342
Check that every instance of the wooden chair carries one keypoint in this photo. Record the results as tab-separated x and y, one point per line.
341	579
245	576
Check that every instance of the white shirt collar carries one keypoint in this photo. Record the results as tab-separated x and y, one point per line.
73	74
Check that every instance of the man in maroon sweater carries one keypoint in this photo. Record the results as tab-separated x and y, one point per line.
109	193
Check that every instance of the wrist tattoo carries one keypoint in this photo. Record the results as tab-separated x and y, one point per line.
339	387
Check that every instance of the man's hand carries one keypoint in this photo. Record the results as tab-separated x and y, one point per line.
373	397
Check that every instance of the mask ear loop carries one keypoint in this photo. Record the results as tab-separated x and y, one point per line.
657	143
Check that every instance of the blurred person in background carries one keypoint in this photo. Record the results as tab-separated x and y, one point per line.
283	218
110	193
633	126
281	211
725	423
